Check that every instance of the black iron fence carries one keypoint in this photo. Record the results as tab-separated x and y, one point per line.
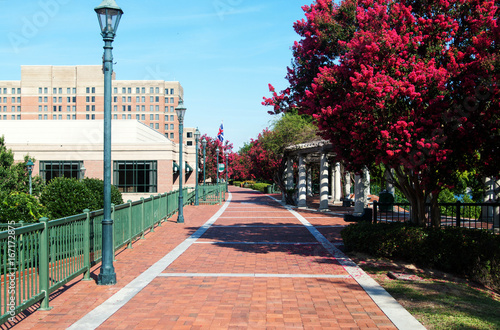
467	215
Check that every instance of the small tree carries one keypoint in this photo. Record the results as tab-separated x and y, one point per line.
65	197
20	206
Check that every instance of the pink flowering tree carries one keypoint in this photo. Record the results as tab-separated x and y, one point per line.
211	159
409	84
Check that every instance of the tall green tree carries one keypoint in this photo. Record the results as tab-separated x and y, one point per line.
14	176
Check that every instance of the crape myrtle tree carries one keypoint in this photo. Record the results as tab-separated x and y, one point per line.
262	158
211	159
409	84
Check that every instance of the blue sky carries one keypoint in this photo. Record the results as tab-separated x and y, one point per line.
224	52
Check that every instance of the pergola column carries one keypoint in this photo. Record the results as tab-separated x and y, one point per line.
337	191
289	174
309	181
347	185
323	189
361	191
302	183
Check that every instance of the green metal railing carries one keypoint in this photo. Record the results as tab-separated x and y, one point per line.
37	259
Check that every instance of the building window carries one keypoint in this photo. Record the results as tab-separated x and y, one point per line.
115	108
39	117
171	109
189	143
40	99
124	116
74	90
171	91
157	90
93	90
171	127
93	108
124	99
166	127
171	100
68	90
143	108
124	107
87	117
143	99
45	108
157	117
115	90
151	90
87	90
151	117
135	176
166	91
39	90
138	99
137	90
45	99
74	117
143	90
56	169
44	117
129	116
151	99
54	117
124	90
171	117
68	117
189	135
172	136
138	117
157	126
129	90
115	116
152	125
39	108
93	117
143	117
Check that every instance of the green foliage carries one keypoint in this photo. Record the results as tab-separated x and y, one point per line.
470	252
289	130
14	176
260	186
237	183
19	206
64	197
96	187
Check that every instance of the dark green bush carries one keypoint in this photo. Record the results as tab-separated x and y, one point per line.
469	252
64	197
96	187
260	187
237	183
19	206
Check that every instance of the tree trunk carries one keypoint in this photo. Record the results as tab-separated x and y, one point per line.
435	211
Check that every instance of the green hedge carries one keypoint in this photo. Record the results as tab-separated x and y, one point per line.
260	187
469	252
65	197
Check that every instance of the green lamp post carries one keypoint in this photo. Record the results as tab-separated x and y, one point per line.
227	156
29	166
197	141
204	143
109	15
217	165
181	111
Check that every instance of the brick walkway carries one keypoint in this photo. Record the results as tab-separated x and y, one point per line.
254	265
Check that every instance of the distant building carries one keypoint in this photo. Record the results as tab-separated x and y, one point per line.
73	93
144	161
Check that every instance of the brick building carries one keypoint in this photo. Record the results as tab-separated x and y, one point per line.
77	93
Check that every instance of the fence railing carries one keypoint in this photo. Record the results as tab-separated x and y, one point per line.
37	259
467	215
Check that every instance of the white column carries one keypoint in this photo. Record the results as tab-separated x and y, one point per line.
389	187
361	189
309	181
496	212
289	174
489	195
323	189
302	183
347	185
337	192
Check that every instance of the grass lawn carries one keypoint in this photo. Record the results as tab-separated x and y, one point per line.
438	300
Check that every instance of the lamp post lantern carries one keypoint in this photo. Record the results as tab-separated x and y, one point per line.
197	141
82	172
109	15
204	143
181	111
29	166
217	165
227	156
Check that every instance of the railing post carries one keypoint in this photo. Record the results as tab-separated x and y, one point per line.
130	234
86	245
458	209
44	265
153	219
160	215
143	229
114	227
375	204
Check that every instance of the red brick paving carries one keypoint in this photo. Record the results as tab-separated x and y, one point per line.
216	302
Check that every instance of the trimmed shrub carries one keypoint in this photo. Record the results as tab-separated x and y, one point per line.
260	187
237	183
65	197
19	206
470	252
96	187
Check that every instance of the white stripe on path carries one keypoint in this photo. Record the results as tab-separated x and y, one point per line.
101	313
401	318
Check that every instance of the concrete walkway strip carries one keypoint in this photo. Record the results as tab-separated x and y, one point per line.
401	318
259	243
252	275
97	316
